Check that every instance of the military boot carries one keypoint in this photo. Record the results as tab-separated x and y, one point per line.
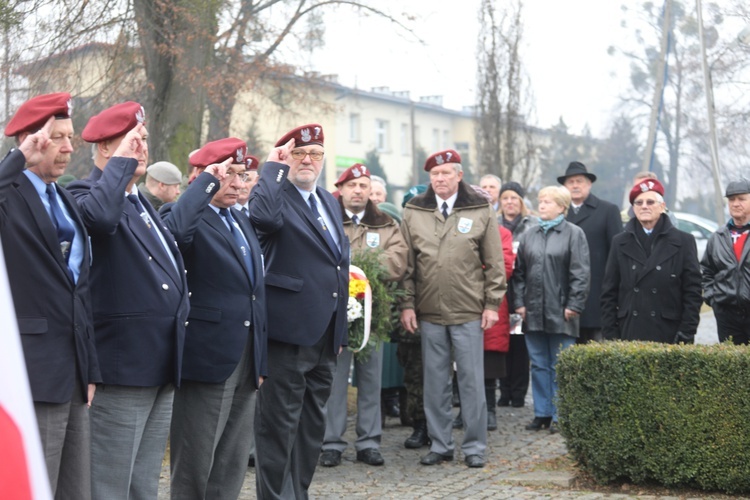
419	437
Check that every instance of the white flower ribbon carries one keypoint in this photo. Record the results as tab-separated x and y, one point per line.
360	274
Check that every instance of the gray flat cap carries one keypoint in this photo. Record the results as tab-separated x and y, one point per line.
165	172
741	186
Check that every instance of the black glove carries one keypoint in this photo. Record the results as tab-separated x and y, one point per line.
684	338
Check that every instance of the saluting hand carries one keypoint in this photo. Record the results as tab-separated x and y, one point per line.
219	170
132	145
34	146
282	154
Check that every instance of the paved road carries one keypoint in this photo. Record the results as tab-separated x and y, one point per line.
519	464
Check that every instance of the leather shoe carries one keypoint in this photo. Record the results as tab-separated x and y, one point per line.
503	402
434	458
330	458
474	461
518	404
491	421
539	423
370	456
419	437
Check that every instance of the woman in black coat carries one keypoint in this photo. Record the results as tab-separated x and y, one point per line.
652	282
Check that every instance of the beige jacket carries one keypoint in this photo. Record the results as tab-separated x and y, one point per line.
378	231
455	267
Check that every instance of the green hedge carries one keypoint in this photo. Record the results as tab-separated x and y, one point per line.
676	415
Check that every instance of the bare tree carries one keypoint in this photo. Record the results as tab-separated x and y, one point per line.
505	144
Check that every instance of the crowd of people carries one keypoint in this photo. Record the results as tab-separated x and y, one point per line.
216	319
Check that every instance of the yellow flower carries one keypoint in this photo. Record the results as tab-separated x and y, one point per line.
357	287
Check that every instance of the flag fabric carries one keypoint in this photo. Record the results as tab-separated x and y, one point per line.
23	474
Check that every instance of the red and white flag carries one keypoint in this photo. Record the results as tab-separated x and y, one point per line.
23	474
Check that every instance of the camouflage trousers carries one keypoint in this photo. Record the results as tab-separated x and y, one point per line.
410	356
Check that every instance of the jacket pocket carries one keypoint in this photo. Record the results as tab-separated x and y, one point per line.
32	326
284	281
205	314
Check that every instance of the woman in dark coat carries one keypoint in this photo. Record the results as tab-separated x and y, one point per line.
550	285
652	282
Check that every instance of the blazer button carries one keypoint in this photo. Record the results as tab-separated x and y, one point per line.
338	268
635	289
185	271
253	296
335	294
149	258
187	323
165	287
653	290
247	323
190	294
658	268
633	266
635	313
653	313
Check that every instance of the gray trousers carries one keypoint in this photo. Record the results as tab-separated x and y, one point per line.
369	424
467	342
211	435
129	430
289	419
66	442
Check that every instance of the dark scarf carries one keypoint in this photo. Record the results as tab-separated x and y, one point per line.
647	240
511	225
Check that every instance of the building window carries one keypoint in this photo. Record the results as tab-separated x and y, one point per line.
405	145
446	138
381	135
354	128
436	140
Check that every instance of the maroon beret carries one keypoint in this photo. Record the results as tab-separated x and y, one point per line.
114	122
218	151
645	186
35	112
304	135
251	163
354	172
447	156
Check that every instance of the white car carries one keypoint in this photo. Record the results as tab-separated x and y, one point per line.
700	227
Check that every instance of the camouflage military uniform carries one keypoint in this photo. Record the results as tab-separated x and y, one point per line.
410	356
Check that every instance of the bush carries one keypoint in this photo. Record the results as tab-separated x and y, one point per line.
641	411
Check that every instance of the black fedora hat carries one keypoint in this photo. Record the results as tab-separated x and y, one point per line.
576	168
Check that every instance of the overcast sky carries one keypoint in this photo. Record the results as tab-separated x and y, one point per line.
565	55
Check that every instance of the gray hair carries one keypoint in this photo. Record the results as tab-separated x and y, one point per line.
493	177
377	178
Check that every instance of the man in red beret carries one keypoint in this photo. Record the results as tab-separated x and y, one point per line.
251	174
454	283
225	344
368	230
140	306
47	256
307	276
652	282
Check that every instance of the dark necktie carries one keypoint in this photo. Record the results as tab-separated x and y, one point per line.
326	233
245	212
133	198
355	219
576	209
65	230
445	210
241	243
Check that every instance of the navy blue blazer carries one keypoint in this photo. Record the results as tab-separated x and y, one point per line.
224	304
140	300
306	286
54	314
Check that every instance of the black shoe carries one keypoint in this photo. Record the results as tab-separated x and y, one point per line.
330	458
458	422
491	421
554	428
434	458
474	461
539	423
419	437
370	456
251	461
503	402
518	403
392	410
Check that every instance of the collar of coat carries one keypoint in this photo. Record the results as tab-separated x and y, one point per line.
373	216
467	198
662	227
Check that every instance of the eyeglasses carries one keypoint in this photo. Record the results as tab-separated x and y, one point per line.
244	176
649	202
299	154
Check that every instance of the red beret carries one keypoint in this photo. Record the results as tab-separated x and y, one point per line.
35	112
354	172
645	186
114	122
218	151
251	163
447	156
304	135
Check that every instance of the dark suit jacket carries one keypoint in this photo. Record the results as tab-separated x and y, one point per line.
54	314
140	300
305	283
223	301
600	221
